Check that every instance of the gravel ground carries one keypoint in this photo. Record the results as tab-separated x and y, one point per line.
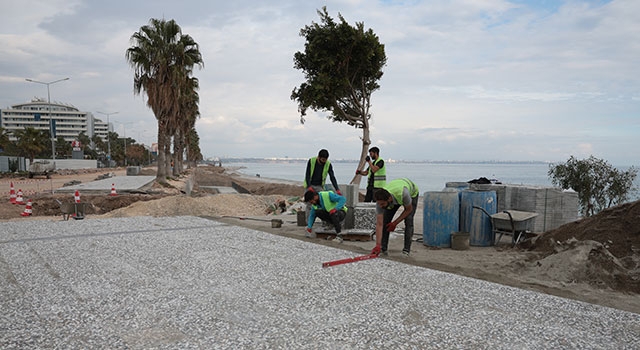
189	282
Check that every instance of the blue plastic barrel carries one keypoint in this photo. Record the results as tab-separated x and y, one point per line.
441	217
475	221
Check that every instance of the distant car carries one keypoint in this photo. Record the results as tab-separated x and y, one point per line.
42	167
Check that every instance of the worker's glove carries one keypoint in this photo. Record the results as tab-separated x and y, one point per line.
391	227
367	158
357	172
332	211
309	229
376	250
338	192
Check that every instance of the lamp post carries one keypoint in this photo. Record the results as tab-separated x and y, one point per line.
108	139
124	132
53	139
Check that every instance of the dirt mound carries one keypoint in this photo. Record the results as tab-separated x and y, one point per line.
237	205
603	249
218	176
49	205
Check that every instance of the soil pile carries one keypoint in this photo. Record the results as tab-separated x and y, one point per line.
602	250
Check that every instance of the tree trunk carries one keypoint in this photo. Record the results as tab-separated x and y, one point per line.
161	175
366	142
168	156
177	154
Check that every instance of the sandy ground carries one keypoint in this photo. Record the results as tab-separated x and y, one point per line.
580	269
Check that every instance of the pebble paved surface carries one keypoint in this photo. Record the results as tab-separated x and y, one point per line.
193	283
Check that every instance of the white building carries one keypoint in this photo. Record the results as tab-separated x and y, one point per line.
69	121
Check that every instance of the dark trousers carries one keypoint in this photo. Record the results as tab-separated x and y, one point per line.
368	197
408	225
335	219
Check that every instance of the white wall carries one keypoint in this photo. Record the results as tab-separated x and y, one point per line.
72	163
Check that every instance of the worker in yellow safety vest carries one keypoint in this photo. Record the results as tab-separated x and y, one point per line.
318	168
376	172
397	193
328	206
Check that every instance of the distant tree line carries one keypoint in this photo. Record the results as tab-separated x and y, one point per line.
32	143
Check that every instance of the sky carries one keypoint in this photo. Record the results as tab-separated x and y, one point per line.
465	80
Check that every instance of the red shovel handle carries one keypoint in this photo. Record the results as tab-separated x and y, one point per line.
349	260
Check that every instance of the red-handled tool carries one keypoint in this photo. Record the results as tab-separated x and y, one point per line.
349	260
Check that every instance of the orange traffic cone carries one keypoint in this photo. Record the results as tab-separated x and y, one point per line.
76	196
113	190
12	194
19	199
27	210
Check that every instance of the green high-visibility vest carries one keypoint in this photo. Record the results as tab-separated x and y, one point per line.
395	187
328	204
325	171
380	176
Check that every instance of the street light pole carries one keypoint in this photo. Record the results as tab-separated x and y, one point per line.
108	139
53	139
124	132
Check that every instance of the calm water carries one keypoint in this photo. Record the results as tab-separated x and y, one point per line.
428	176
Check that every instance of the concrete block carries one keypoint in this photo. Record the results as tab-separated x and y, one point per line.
365	216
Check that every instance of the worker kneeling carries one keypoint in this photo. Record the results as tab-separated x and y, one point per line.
328	206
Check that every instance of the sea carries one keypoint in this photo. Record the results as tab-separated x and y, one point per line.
428	176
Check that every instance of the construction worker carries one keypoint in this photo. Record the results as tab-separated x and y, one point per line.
397	193
376	172
316	173
328	206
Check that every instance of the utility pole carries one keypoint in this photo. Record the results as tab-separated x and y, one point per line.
108	138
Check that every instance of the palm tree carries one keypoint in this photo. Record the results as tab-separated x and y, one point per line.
161	56
187	115
4	138
32	142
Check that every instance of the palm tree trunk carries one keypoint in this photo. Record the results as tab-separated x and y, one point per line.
161	175
177	154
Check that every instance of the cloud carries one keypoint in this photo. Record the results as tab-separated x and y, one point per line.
464	80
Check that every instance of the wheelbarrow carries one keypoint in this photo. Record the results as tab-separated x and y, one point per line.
74	210
518	224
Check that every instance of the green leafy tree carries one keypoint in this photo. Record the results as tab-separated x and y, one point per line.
342	65
63	148
136	154
32	142
85	143
4	138
162	56
599	185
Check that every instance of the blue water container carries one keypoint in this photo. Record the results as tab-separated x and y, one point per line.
441	217
475	221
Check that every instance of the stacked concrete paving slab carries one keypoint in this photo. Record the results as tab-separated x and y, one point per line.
554	206
189	282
